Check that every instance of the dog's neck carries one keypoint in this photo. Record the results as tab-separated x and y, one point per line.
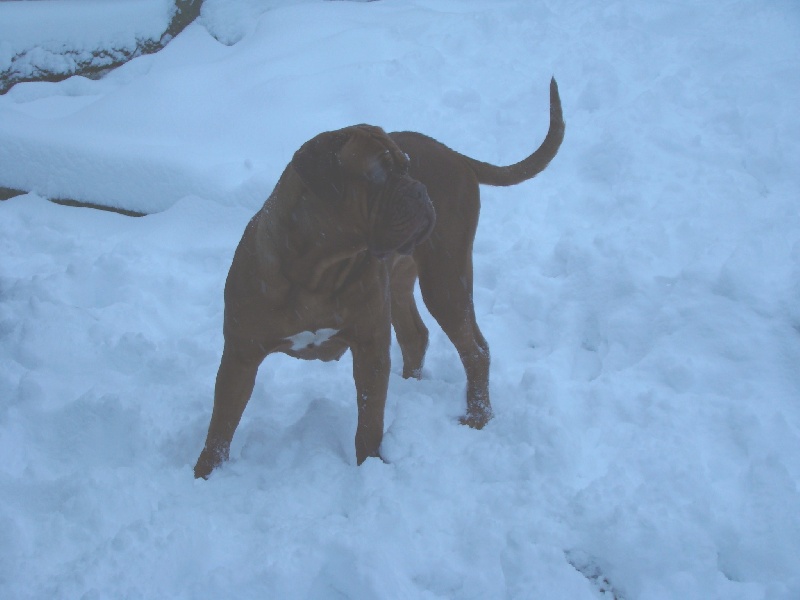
314	253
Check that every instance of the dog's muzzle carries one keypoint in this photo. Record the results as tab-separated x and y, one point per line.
404	217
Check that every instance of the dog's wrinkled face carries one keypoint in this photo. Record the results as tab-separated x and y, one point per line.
362	169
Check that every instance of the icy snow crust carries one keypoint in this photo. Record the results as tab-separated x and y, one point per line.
640	298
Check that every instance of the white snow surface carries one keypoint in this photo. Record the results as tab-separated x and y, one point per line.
640	298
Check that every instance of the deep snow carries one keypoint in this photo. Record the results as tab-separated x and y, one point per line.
640	298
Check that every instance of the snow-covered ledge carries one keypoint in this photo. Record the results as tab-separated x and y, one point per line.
83	37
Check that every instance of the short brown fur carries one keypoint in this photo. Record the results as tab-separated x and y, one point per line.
330	261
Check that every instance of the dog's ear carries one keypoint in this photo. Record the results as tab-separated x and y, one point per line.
317	163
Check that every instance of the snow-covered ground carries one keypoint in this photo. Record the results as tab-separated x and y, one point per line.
641	299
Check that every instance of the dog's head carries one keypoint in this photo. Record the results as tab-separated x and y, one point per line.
362	171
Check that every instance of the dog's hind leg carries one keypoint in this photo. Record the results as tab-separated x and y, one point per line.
447	290
412	335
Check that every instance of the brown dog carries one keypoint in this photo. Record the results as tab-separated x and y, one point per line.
331	260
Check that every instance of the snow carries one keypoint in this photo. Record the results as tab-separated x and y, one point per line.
55	35
640	298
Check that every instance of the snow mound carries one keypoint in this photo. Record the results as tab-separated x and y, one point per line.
639	298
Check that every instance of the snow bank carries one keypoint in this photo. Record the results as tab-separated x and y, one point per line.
639	298
58	35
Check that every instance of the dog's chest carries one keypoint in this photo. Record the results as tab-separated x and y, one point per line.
320	324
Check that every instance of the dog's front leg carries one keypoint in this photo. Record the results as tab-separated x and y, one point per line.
235	381
371	364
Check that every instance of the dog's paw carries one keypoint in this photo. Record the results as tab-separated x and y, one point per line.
207	462
477	419
412	373
202	470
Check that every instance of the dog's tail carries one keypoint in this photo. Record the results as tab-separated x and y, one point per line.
536	162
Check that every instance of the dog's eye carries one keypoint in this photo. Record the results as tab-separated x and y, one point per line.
397	163
376	174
